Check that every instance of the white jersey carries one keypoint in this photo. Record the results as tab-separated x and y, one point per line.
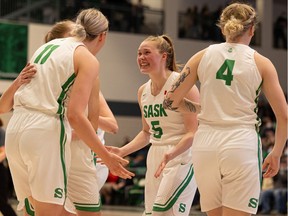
55	73
166	127
230	85
101	134
163	196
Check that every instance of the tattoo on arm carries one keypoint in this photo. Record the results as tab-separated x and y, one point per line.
190	106
180	79
167	104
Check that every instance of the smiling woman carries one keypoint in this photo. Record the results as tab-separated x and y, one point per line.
167	131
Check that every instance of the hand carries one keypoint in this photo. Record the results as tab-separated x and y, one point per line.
26	74
162	165
111	149
271	165
116	166
114	150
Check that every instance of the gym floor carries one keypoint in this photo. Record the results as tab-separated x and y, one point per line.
127	211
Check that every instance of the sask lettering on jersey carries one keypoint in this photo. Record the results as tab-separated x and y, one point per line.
155	110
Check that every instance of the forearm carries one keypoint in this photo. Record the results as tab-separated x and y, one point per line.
183	106
184	144
84	130
108	125
139	142
7	98
280	137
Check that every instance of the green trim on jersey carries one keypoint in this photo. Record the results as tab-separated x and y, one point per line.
63	95
171	201
260	159
88	207
257	126
29	209
63	139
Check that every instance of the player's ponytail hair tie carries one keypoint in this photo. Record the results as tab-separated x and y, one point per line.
79	32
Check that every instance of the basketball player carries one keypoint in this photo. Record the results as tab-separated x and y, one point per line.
227	147
107	121
39	110
84	168
173	191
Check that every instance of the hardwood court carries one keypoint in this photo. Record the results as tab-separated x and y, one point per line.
125	211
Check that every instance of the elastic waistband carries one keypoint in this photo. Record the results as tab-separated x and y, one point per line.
225	127
29	110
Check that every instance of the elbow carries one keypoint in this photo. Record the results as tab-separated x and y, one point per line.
282	118
115	129
73	118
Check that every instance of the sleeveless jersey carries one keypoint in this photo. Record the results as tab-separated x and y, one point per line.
230	85
49	89
166	127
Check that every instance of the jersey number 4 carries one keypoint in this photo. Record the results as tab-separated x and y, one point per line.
228	76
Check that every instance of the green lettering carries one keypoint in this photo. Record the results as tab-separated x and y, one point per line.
145	111
253	203
182	207
150	111
156	110
162	111
58	193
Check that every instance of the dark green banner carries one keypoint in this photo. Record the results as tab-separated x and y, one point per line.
13	49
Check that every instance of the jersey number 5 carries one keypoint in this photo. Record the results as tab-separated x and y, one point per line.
226	66
158	132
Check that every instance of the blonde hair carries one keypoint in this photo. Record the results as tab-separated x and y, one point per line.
236	19
59	30
165	45
89	24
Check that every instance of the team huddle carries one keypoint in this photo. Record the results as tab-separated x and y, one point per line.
203	138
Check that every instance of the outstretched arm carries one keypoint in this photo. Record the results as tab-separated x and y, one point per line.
87	69
140	140
191	125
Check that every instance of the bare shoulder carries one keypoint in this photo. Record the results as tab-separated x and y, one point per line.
81	52
263	64
198	56
194	61
140	90
84	59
